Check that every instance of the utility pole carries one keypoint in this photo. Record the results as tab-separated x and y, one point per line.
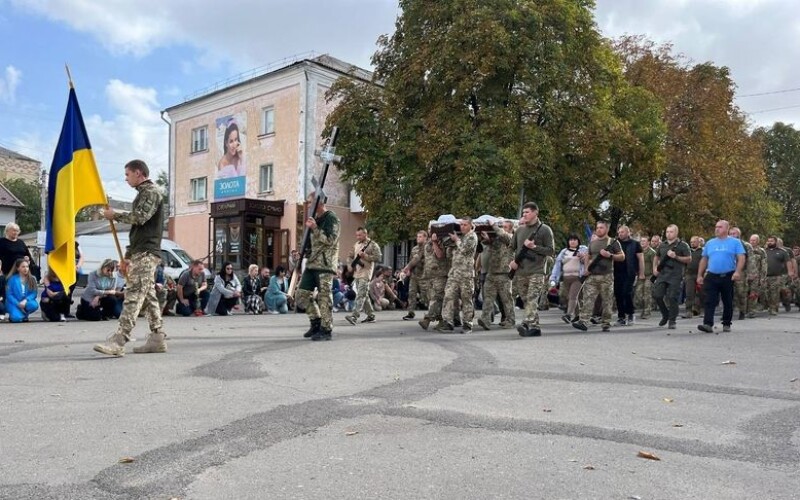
43	187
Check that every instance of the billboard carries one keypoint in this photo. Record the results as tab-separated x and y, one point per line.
231	172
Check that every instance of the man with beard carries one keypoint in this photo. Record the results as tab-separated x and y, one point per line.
668	266
365	254
603	250
779	268
722	264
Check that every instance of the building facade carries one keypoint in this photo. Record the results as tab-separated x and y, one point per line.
16	166
242	160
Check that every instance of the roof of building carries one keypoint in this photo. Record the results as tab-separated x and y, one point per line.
13	154
7	198
324	60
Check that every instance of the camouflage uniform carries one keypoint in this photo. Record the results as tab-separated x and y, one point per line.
168	295
362	276
417	285
777	275
144	253
435	274
694	297
530	279
644	288
498	255
320	270
756	275
600	283
461	280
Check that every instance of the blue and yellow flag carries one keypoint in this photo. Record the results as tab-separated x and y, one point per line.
74	184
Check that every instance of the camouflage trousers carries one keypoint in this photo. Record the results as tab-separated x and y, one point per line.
597	285
417	292
320	307
755	284
459	288
436	286
361	286
530	289
741	293
694	298
497	284
773	288
140	294
644	296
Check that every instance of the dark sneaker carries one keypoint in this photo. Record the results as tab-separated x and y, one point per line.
369	319
533	331
741	315
506	324
466	329
631	320
566	319
456	322
409	316
788	307
706	328
606	328
672	325
595	320
726	328
580	325
622	322
351	319
663	321
483	324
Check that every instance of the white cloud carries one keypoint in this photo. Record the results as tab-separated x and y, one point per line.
239	35
9	83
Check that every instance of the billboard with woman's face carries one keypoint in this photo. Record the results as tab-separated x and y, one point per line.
229	181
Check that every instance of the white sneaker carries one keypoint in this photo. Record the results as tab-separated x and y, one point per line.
61	317
274	312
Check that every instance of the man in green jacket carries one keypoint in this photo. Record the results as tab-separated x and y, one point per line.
320	269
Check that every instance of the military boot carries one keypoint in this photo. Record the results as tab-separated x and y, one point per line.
114	345
155	343
322	334
315	326
424	323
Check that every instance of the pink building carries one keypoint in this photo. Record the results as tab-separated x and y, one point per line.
242	162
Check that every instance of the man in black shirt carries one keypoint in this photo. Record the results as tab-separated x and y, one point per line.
625	274
668	266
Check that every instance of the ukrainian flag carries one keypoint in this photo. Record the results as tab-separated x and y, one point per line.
74	184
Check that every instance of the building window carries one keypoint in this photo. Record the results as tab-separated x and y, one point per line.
199	139
268	121
198	189
265	179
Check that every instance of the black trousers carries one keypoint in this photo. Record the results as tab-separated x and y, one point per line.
624	288
55	306
714	287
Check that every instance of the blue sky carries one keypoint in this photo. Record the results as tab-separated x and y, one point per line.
131	59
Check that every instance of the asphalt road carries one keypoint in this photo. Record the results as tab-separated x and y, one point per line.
244	407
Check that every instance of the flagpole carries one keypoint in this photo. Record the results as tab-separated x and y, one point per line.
111	222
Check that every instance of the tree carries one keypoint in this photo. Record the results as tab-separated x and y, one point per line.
473	100
30	194
713	167
781	151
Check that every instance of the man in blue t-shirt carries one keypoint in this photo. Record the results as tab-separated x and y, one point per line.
722	264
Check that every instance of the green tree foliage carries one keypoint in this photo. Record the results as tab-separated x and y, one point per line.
477	99
713	167
781	150
30	194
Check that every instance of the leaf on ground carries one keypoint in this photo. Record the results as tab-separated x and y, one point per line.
126	460
677	425
588	467
647	455
794	380
351	433
668	400
546	410
729	362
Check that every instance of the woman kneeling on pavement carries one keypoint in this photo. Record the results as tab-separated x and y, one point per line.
99	298
55	301
21	290
226	292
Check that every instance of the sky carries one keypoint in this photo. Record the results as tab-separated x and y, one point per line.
132	59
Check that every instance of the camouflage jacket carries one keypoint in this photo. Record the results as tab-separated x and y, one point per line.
146	219
417	261
499	253
324	253
434	267
463	265
756	261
